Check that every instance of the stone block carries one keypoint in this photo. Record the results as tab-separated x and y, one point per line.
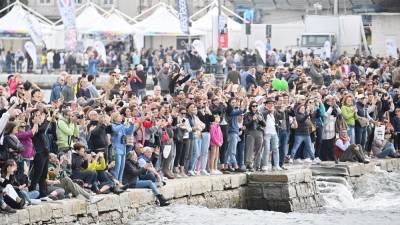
286	176
92	210
46	212
142	196
238	180
12	218
124	200
23	216
217	183
35	213
329	171
200	186
66	206
109	203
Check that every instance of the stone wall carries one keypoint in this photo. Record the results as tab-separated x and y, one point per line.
286	191
212	191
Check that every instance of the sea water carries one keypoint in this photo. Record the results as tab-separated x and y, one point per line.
374	200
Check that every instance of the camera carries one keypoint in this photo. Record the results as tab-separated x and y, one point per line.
79	116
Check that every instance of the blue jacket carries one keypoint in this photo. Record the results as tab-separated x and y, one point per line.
233	126
55	92
92	66
118	131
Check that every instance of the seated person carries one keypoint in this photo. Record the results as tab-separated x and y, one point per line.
131	176
344	151
145	162
381	146
60	184
21	195
80	162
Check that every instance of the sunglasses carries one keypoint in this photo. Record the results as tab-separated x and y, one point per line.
254	106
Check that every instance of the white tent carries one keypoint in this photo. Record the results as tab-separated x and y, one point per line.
14	26
162	22
88	18
206	22
114	24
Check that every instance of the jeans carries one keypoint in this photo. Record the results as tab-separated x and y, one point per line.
240	152
361	135
233	139
271	143
118	170
147	184
298	139
388	150
104	179
283	146
205	145
352	134
196	149
28	195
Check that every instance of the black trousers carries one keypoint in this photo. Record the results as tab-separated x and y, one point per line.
40	169
181	148
222	150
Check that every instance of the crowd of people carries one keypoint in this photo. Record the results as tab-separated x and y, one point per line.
88	140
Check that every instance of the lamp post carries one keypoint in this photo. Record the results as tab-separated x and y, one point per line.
219	73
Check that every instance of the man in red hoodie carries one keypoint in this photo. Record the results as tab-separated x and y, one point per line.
344	151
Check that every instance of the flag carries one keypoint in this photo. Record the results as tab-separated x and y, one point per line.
35	29
31	50
223	32
262	49
183	16
67	11
198	45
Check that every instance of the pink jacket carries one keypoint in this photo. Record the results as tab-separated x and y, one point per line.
25	137
216	137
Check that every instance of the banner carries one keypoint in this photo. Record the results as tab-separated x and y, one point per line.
248	16
67	12
183	16
199	47
262	49
101	49
35	29
327	49
31	50
223	32
391	46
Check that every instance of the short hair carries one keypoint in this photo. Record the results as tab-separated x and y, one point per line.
90	78
78	146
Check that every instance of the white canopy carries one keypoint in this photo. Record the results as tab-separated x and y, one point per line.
162	23
15	22
206	22
113	24
88	18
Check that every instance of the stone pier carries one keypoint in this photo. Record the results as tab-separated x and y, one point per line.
284	191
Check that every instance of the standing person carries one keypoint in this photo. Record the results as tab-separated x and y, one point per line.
56	61
317	73
271	139
98	128
196	62
197	128
362	121
57	89
94	93
233	75
41	159
282	116
164	79
92	64
68	91
329	129
232	112
181	136
118	140
67	128
206	117
255	124
302	133
216	140
349	111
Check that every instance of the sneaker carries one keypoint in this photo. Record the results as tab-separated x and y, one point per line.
316	160
204	173
218	172
92	200
278	168
298	161
46	199
264	168
191	173
290	161
308	160
36	201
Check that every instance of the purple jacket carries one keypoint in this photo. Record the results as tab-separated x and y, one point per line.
25	137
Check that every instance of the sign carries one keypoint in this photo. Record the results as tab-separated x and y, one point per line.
327	48
101	49
391	46
35	29
248	16
31	50
183	16
67	9
262	49
222	32
199	47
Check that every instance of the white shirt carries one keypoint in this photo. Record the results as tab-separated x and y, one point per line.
270	124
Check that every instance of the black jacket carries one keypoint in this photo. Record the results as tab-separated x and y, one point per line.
78	163
40	140
98	136
131	172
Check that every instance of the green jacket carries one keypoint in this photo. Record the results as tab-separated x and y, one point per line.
68	93
349	115
65	131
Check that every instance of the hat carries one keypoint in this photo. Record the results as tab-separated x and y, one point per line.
146	149
269	100
116	70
